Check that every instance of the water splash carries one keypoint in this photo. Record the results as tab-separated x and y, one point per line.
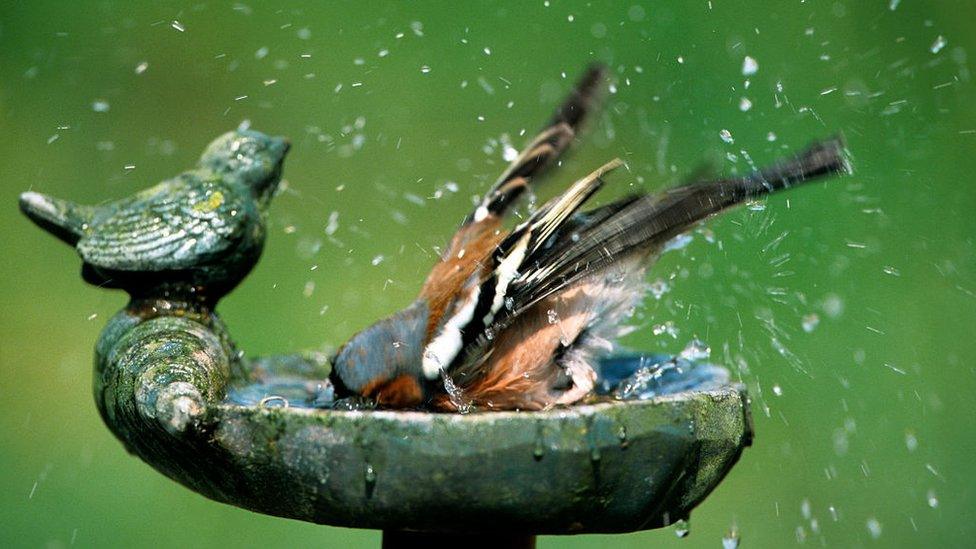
455	394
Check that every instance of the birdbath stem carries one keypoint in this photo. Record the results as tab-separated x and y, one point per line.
398	539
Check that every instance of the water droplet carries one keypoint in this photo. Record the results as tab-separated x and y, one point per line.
833	305
539	450
682	528
911	442
100	105
667	328
874	527
778	391
932	499
726	136
678	242
141	67
333	224
425	69
552	316
731	540
622	436
177	25
940	42
749	66
658	288
369	475
805	509
745	104
810	322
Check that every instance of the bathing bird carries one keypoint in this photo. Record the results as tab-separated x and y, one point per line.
196	234
517	319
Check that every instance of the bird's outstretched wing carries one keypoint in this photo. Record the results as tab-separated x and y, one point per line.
559	284
482	230
176	225
545	149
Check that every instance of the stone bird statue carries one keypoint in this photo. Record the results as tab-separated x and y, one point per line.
196	235
516	319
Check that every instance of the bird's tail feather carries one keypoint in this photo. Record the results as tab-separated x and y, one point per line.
644	223
65	220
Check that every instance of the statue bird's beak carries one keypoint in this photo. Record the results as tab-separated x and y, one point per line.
282	145
65	220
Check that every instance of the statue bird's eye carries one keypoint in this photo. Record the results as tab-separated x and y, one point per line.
246	149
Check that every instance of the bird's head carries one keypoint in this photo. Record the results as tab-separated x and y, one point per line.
253	158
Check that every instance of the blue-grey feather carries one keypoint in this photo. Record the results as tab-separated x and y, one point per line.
388	349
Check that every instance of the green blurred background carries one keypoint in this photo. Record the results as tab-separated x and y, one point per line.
865	422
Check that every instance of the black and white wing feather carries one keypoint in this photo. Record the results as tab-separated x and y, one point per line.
559	247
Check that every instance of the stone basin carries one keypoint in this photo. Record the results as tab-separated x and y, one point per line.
616	466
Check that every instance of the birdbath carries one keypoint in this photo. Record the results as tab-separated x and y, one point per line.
606	467
269	436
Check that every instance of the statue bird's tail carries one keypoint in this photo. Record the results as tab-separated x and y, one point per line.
65	220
